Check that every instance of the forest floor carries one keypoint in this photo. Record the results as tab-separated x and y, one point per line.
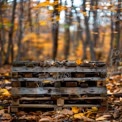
112	114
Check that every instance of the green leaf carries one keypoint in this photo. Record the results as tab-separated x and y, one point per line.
66	26
9	24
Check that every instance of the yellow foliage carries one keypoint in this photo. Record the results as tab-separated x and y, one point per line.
120	63
61	8
107	80
84	13
2	90
55	3
6	74
4	93
78	61
6	81
5	6
6	20
49	18
78	116
42	4
90	111
57	18
43	23
15	27
75	109
31	37
94	109
102	33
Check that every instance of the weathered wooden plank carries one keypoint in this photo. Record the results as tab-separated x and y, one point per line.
58	79
5	77
26	63
53	106
65	98
58	63
57	69
57	91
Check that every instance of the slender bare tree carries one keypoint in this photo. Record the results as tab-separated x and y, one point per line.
88	35
20	29
29	15
68	15
10	52
117	26
55	29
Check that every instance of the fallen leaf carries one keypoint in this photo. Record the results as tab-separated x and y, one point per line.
104	117
59	116
21	113
75	109
78	116
66	112
94	109
100	118
48	113
78	61
45	119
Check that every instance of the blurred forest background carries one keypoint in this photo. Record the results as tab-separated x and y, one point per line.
59	29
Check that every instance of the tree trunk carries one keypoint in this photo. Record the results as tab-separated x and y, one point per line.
20	30
68	22
10	52
80	36
88	36
95	28
67	36
55	39
117	25
55	30
67	43
2	35
111	41
29	16
0	52
38	26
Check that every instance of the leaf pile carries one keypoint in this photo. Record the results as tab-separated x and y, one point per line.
114	85
64	115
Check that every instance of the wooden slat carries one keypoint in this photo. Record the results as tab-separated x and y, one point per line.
5	77
26	63
56	69
54	106
65	98
59	79
36	105
82	105
57	91
52	63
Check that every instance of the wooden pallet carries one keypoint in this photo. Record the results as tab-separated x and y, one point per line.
54	85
